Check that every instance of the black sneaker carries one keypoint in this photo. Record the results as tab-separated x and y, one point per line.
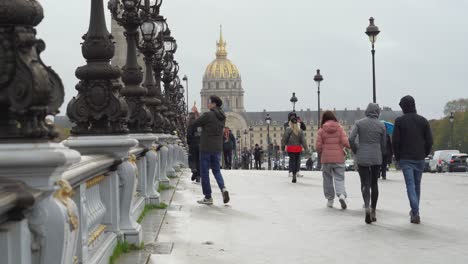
225	196
294	179
197	179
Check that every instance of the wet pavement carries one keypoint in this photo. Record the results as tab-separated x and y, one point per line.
271	220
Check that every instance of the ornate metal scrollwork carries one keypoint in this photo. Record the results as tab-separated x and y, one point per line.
99	107
64	195
29	90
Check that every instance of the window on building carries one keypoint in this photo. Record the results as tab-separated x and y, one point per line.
274	134
261	141
261	134
227	85
217	85
261	129
312	134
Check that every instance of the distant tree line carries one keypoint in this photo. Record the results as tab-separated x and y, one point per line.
441	128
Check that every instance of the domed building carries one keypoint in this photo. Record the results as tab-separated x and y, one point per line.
223	79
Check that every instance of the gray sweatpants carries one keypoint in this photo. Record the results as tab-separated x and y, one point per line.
333	172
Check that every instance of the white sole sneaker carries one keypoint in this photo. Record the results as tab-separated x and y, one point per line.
343	202
330	203
206	201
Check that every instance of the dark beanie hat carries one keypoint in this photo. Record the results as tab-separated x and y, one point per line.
407	104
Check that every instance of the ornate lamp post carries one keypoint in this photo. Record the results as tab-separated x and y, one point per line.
98	108
318	78
127	15
451	119
268	121
372	31
293	100
170	70
186	85
151	30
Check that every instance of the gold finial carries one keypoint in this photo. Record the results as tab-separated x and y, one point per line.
221	44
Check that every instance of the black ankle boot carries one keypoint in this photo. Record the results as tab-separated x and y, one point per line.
368	216
294	179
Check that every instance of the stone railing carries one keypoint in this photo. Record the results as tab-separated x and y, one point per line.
72	202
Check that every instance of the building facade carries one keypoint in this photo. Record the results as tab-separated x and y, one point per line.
223	79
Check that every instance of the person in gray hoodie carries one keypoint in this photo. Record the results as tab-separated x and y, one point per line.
211	146
368	140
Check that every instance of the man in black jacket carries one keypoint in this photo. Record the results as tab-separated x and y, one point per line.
211	146
412	142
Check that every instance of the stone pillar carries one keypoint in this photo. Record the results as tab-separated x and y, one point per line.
147	168
163	160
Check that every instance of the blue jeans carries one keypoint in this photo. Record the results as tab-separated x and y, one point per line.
210	160
413	170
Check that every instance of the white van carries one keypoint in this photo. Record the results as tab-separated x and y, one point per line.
436	162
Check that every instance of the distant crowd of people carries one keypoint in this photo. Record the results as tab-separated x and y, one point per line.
371	142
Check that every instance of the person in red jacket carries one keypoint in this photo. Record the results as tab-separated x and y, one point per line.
330	144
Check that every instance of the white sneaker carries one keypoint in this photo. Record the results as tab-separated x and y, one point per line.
290	174
298	174
343	201
206	201
330	203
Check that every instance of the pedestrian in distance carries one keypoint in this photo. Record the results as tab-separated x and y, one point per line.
368	142
293	142
386	157
193	141
330	144
258	157
412	142
211	146
229	145
303	127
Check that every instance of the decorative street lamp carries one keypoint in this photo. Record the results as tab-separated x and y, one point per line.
186	85
451	119
127	15
372	31
293	100
268	121
151	30
318	78
98	108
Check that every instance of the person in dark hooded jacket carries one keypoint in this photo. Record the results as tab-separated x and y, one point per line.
193	141
368	142
412	142
211	146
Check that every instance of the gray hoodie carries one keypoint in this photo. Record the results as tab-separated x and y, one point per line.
212	124
368	138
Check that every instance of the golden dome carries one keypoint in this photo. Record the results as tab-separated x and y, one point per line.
221	67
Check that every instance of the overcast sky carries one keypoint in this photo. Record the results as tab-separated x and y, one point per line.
422	49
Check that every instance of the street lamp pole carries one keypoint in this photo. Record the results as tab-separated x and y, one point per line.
251	143
372	31
293	100
186	85
451	119
268	121
318	78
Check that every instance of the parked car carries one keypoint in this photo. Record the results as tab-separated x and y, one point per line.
456	163
303	164
436	162
427	166
349	165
